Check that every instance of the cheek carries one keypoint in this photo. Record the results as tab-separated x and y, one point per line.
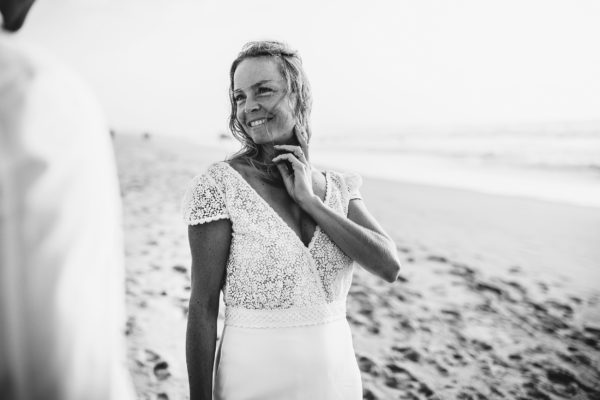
239	115
286	115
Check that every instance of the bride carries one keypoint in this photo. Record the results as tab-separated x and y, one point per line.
278	237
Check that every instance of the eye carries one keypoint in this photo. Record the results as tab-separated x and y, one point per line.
238	97
264	91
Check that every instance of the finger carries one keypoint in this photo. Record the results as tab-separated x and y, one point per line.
296	150
288	177
289	156
291	148
283	170
296	164
302	136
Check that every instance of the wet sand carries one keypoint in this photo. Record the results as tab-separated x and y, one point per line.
496	299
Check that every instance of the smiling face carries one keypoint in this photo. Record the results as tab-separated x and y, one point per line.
263	106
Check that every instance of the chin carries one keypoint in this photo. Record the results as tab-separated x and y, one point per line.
265	137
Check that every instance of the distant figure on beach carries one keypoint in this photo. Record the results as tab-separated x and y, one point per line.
279	238
62	294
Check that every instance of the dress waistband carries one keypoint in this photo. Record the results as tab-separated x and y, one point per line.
284	318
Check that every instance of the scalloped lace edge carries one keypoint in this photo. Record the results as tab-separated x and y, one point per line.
207	219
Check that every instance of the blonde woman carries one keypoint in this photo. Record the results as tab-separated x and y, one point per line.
278	237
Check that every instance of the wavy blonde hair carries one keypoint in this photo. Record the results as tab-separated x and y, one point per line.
297	86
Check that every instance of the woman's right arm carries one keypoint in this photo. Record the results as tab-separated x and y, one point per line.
209	245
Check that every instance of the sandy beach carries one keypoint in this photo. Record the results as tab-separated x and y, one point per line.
497	297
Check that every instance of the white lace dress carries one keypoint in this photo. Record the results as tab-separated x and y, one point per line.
286	334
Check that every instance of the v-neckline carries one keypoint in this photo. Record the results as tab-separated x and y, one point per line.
281	220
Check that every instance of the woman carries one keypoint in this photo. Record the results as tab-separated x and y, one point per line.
279	238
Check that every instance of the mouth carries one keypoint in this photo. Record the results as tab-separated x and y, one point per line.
257	122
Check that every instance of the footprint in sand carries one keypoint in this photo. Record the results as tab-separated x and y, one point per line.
368	366
488	287
403	249
408	353
515	269
400	378
368	394
161	370
440	259
151	355
130	325
462	270
180	268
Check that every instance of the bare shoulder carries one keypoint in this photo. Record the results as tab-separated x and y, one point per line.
238	165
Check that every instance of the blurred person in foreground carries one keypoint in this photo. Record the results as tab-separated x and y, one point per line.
61	257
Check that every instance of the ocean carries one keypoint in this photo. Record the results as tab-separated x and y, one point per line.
554	164
558	163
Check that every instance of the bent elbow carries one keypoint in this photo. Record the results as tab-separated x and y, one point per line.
393	269
394	273
392	277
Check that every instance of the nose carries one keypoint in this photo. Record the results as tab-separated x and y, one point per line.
251	105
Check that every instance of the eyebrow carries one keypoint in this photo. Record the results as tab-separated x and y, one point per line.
255	85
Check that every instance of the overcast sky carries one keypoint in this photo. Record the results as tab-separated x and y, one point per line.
375	66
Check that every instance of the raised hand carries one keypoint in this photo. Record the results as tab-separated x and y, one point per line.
299	182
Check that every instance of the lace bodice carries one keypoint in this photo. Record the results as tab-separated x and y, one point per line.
269	268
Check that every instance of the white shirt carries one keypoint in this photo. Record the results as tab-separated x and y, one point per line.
62	302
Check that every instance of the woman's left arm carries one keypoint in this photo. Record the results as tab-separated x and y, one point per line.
359	235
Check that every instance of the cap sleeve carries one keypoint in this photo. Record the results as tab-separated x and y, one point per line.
203	201
353	183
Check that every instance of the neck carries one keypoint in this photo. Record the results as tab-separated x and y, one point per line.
268	151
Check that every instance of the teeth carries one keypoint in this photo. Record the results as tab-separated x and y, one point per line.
257	122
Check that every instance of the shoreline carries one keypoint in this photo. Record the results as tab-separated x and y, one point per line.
568	187
558	186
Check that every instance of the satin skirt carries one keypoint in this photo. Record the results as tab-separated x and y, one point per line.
314	362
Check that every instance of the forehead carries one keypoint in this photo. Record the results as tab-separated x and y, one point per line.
253	70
